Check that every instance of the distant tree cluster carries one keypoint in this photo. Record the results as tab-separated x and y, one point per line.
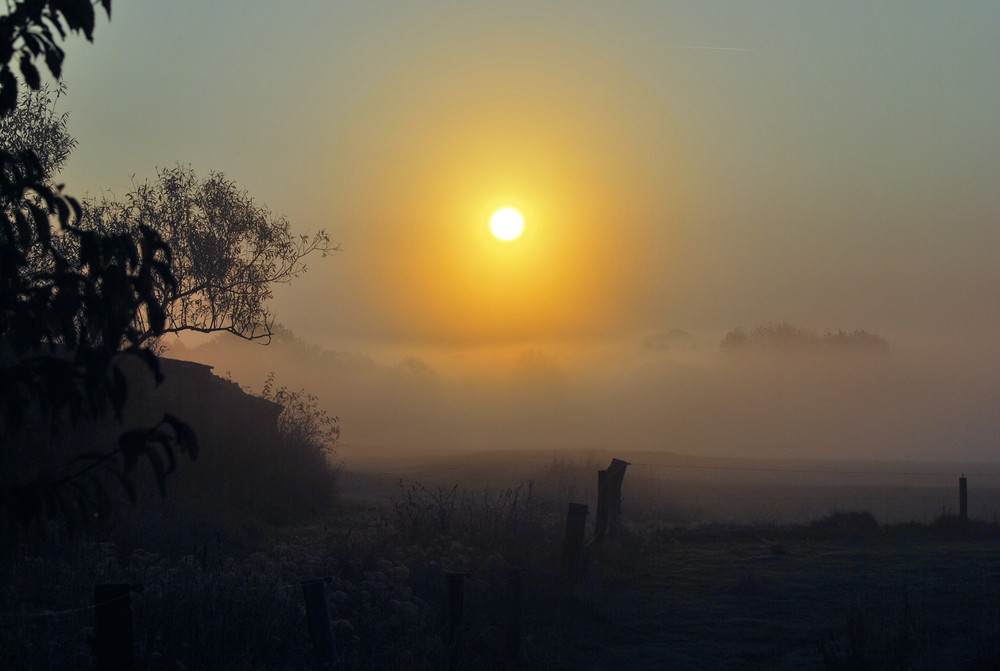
784	336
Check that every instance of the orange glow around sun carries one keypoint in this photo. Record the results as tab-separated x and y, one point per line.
432	179
451	278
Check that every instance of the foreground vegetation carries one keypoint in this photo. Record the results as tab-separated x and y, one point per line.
841	592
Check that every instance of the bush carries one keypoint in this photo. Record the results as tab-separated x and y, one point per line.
308	442
269	457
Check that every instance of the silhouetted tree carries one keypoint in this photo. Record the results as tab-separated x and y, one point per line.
68	320
228	251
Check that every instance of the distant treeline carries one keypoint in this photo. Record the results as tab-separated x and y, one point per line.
785	336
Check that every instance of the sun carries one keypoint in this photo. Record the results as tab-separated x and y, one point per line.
506	223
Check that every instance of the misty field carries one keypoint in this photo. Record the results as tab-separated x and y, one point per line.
839	591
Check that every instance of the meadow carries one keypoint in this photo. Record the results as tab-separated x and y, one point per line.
688	584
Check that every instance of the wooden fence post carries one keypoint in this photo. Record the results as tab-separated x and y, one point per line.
601	518
572	555
318	620
114	644
456	605
963	499
616	474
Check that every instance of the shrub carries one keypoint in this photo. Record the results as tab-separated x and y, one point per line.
268	457
301	420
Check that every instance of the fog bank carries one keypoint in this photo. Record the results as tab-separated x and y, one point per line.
673	391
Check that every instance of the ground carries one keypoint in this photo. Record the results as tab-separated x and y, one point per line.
737	604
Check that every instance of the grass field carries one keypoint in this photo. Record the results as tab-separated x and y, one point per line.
731	603
681	589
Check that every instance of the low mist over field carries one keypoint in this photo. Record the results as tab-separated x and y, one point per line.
673	391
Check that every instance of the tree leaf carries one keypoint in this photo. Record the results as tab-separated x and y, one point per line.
132	444
8	91
53	59
186	438
30	72
158	470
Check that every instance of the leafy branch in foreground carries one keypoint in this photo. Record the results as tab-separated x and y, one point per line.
70	302
228	251
29	31
82	493
67	326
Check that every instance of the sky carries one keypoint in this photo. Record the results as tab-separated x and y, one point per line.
683	168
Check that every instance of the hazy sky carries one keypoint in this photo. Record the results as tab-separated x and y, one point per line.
680	165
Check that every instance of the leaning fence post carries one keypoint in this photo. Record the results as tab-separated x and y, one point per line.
456	604
114	644
601	518
963	499
318	620
616	474
576	523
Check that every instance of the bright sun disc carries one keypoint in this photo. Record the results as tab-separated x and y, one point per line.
506	224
